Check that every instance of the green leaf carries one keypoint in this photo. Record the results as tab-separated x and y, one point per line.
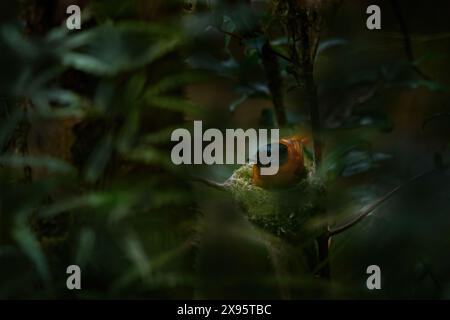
31	247
7	127
330	43
107	200
254	90
85	247
87	63
174	82
17	41
69	104
308	153
99	159
227	68
233	106
229	26
174	104
149	155
332	163
159	137
154	264
51	164
255	43
428	84
110	49
135	87
168	198
356	162
104	95
128	131
137	255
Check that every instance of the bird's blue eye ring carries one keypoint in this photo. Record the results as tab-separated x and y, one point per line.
267	150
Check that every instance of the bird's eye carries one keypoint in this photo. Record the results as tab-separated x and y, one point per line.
267	150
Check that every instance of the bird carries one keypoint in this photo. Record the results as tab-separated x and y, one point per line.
291	164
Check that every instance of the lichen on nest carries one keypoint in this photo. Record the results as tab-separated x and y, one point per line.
284	212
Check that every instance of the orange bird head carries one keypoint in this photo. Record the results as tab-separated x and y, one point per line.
291	164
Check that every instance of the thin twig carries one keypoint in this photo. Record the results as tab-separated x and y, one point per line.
242	39
379	202
434	117
299	24
280	55
231	34
274	82
209	183
273	75
407	40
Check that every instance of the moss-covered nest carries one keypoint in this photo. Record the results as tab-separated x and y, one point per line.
285	212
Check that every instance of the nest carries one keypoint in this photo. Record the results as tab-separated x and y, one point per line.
286	212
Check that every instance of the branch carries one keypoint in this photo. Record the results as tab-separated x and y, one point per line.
274	82
379	202
233	35
241	39
209	183
273	75
299	26
282	56
407	40
434	117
